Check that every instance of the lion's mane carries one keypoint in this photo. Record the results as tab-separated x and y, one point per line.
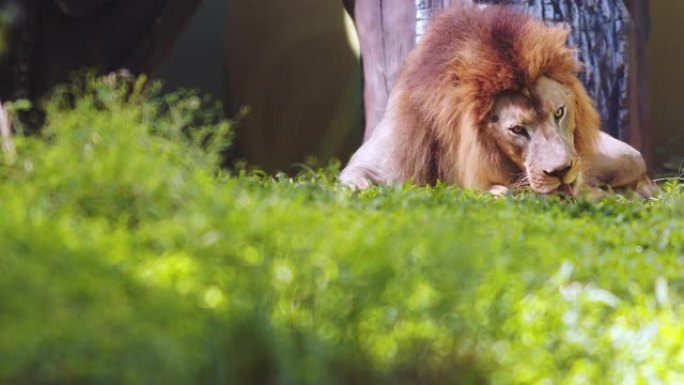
467	57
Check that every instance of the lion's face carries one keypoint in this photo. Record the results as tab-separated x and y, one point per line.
535	130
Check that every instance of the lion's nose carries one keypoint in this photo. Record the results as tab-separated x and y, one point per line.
559	172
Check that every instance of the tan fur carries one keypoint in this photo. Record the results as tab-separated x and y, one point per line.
438	121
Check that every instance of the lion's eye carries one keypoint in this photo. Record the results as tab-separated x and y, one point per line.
559	113
520	130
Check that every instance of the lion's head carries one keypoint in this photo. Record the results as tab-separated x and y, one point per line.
536	130
500	92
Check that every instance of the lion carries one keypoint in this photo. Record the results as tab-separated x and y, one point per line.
489	100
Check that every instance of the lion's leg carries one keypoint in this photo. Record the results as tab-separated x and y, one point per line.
375	161
619	165
499	190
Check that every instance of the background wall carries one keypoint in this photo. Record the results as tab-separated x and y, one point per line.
293	62
667	82
196	60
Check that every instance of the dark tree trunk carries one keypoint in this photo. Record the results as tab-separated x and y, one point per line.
611	38
639	128
51	39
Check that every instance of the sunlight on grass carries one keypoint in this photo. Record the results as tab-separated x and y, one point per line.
130	257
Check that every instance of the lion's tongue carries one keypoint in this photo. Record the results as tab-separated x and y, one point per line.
566	189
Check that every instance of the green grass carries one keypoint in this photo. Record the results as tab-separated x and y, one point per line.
128	257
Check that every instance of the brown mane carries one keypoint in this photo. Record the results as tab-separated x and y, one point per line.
468	56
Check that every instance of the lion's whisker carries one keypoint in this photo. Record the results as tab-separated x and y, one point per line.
520	181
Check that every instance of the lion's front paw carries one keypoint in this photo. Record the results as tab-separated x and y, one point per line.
590	193
646	189
498	190
355	179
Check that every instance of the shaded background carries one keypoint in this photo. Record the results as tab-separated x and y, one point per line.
666	62
295	63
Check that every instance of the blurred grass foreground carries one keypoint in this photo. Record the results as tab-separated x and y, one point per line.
129	257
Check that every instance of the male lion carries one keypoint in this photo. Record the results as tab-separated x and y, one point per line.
490	100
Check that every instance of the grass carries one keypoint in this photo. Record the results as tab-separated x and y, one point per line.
129	257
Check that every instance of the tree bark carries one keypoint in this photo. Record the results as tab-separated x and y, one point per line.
386	30
639	92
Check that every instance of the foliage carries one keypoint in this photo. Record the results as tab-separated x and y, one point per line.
129	257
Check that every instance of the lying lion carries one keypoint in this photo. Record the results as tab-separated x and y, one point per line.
489	100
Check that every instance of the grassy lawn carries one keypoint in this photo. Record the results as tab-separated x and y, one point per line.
128	257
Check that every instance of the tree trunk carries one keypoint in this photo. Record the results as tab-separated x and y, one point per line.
51	39
386	30
611	38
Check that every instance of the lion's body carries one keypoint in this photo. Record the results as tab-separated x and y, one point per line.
436	123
